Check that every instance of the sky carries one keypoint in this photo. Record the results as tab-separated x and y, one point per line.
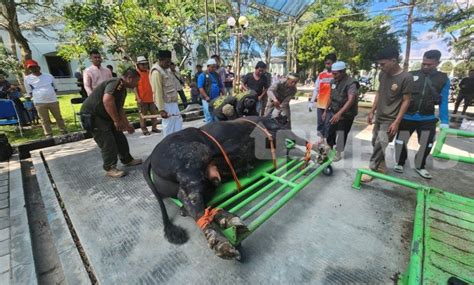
423	40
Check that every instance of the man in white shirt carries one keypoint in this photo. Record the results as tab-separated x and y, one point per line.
95	74
41	87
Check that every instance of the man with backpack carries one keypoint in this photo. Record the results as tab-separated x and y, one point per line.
210	87
430	88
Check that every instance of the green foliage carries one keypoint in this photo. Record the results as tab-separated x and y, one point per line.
462	69
353	37
416	66
456	19
8	63
446	67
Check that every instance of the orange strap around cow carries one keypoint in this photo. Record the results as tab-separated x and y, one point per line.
307	156
227	159
270	138
207	218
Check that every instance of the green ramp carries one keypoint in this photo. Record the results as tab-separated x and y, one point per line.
442	249
264	191
442	139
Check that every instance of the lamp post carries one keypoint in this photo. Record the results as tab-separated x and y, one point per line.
243	24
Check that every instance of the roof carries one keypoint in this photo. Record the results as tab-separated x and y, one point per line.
292	8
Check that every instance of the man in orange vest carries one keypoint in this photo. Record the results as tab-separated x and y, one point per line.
322	93
145	96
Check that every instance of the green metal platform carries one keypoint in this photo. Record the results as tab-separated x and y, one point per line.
264	191
442	249
437	151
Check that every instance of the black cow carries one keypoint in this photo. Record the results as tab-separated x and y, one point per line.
189	165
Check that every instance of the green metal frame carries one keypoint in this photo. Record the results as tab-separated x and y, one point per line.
442	139
257	201
443	234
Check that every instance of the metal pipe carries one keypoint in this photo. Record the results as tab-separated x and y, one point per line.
403	182
288	196
416	260
442	139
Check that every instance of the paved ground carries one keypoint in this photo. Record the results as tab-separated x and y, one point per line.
329	234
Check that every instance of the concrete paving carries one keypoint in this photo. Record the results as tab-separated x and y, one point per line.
329	234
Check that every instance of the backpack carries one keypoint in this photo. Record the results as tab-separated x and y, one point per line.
6	149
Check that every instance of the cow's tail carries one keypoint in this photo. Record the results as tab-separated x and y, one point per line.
173	233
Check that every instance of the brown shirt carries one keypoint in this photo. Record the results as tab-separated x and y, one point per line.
391	91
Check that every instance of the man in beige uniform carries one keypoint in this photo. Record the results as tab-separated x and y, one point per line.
165	94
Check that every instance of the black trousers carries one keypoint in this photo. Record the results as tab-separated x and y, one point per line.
183	98
111	142
426	131
337	135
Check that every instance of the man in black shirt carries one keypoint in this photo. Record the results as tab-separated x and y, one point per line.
257	82
102	114
466	92
229	80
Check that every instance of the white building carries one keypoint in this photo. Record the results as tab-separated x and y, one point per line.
44	51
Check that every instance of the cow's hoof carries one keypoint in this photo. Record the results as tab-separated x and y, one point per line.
239	225
225	250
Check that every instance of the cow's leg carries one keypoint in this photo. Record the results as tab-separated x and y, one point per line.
193	202
226	219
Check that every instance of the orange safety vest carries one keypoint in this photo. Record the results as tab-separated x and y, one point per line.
325	79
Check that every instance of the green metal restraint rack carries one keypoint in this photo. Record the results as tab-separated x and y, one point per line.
264	191
441	140
442	249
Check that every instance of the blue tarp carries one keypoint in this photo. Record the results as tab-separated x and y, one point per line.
292	8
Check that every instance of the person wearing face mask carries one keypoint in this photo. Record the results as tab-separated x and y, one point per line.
430	88
321	94
341	109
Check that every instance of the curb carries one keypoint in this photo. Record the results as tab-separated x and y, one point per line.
22	262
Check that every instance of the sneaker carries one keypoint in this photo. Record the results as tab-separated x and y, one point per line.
155	131
366	178
134	162
423	173
338	156
114	172
398	168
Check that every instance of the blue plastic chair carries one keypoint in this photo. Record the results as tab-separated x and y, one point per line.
9	115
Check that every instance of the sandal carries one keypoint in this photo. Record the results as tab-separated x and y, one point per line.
155	131
423	173
145	132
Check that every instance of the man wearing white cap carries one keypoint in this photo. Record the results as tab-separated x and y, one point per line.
145	96
279	97
210	87
165	94
342	107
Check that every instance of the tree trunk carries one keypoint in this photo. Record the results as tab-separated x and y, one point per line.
409	35
268	54
9	8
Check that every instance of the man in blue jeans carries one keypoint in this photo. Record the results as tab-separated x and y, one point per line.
210	87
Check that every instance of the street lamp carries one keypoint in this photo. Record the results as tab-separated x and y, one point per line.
243	24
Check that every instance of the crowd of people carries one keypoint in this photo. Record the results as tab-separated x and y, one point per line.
405	102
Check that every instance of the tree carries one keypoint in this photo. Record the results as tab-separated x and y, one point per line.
416	66
446	67
43	14
461	69
353	36
457	20
9	63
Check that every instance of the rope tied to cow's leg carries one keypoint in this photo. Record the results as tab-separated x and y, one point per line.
207	217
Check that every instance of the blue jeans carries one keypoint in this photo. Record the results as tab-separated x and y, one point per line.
323	126
207	115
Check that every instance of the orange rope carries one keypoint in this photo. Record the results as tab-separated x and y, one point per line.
270	138
207	217
227	159
307	156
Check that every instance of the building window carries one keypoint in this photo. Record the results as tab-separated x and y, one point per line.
58	67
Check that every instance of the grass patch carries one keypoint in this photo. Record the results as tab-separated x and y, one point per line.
35	132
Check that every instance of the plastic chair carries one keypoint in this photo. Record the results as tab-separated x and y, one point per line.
9	114
76	101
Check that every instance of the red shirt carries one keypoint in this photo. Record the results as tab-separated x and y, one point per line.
144	88
325	79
